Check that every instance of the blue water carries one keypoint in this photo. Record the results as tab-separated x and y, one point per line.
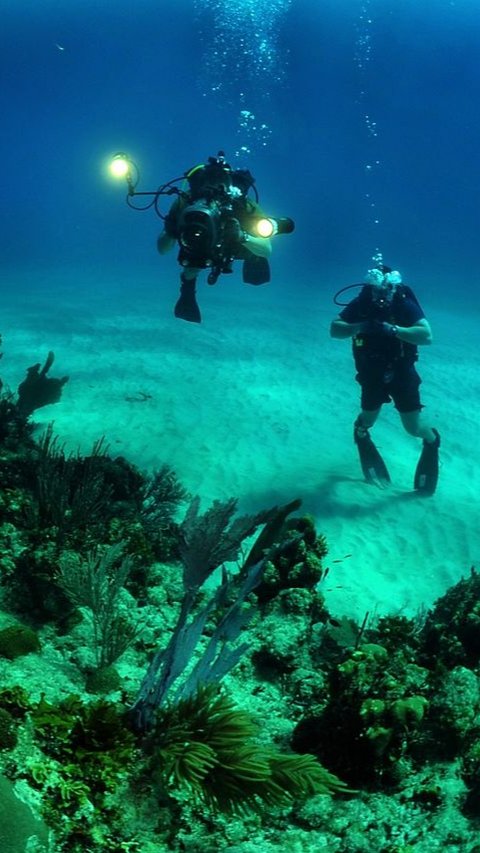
360	120
370	137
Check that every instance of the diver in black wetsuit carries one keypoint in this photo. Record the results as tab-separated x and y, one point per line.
387	325
214	223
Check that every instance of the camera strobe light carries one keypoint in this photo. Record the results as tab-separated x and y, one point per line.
266	227
120	166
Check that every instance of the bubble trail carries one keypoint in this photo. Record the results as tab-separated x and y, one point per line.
363	53
243	60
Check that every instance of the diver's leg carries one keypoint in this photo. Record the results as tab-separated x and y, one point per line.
367	418
426	472
414	424
186	307
373	466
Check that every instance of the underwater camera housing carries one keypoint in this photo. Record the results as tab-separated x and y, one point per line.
210	227
210	235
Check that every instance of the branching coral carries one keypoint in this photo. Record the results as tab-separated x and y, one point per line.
95	584
206	744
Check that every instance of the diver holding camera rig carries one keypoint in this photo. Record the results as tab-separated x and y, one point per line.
215	223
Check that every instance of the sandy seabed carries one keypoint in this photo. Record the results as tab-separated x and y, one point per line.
258	403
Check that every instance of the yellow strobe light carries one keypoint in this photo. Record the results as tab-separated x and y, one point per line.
265	228
119	166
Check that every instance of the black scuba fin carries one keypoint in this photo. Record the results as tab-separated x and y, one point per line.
186	307
256	270
374	469
426	473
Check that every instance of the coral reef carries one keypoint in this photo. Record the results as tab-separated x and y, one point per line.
141	709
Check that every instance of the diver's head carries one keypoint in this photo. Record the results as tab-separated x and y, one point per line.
383	281
218	172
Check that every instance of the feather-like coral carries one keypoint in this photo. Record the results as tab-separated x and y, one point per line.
206	744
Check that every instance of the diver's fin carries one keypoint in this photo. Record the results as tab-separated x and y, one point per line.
187	307
255	270
373	466
426	474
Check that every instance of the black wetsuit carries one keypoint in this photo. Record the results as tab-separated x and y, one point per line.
385	364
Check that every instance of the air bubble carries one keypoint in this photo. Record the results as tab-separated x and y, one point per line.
363	51
241	43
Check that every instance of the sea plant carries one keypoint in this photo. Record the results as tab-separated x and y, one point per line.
94	585
91	739
88	751
71	490
206	541
206	744
161	496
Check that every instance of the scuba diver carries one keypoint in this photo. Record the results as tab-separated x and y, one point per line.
215	223
387	325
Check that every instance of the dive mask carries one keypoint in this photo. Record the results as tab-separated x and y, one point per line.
383	285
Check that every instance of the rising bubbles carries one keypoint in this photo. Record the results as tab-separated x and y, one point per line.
363	52
243	60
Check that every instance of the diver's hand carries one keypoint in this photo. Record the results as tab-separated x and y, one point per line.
366	327
233	232
376	327
389	329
